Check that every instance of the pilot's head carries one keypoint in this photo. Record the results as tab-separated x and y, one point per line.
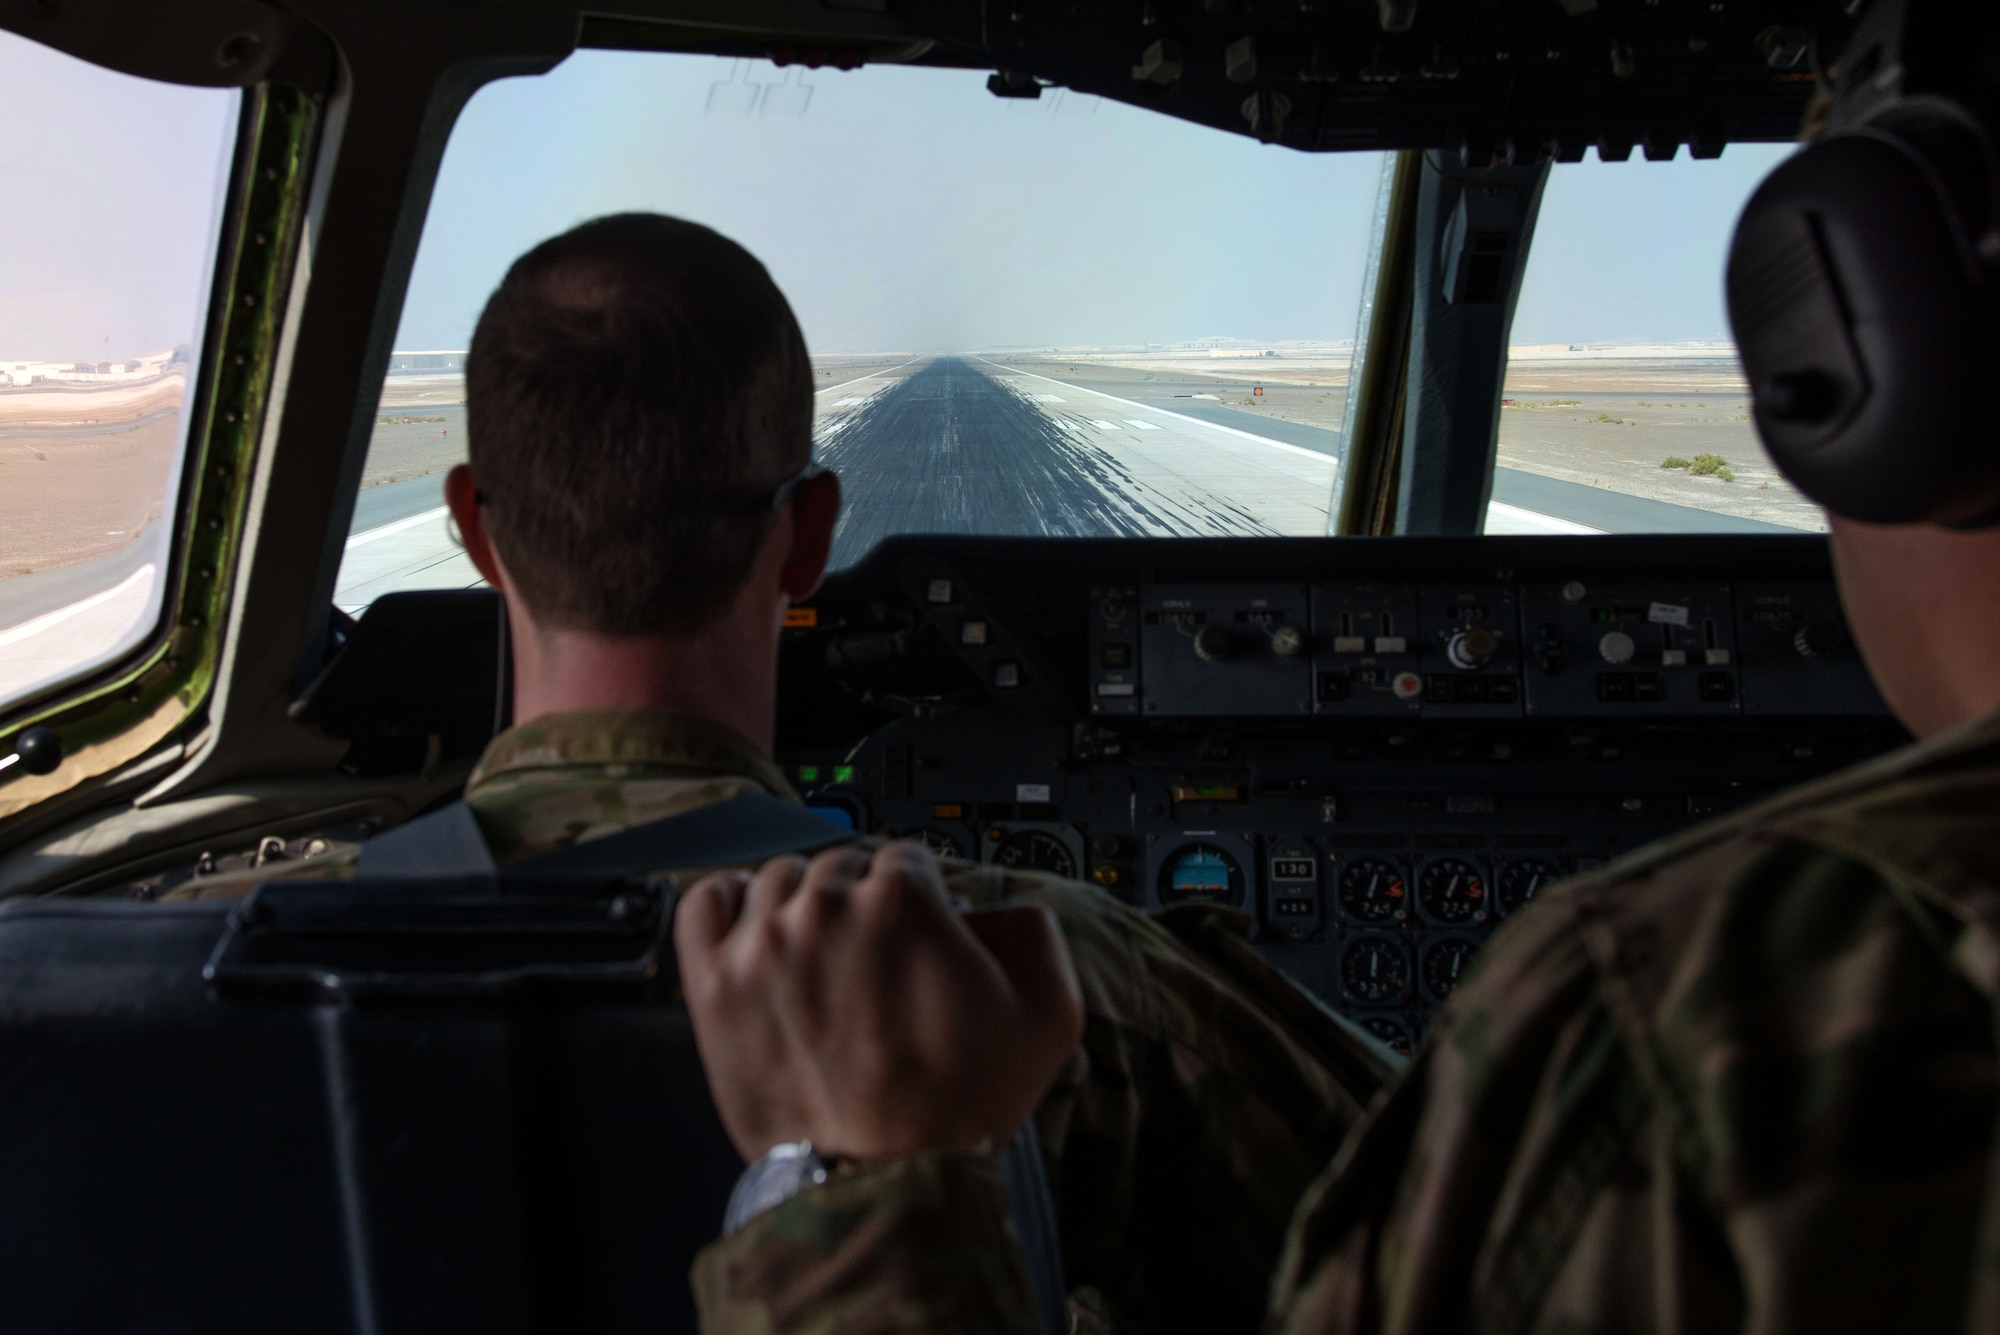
1864	290
637	394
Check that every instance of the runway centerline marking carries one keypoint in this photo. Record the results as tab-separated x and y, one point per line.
1136	424
1164	412
845	383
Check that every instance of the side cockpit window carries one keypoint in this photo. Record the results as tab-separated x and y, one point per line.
108	236
1625	408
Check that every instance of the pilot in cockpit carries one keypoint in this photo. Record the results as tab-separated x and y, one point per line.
1742	1080
640	357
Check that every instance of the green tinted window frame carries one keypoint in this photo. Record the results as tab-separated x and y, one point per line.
162	687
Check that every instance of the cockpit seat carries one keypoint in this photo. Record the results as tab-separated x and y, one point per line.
443	1096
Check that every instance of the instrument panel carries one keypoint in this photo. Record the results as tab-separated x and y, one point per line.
1378	749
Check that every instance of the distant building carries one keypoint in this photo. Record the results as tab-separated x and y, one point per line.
426	363
22	374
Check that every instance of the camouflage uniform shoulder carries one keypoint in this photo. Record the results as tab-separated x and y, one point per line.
1913	825
1800	988
1745	1075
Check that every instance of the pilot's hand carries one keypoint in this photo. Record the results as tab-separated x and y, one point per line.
847	1003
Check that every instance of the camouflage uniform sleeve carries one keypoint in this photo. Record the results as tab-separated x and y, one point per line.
917	1244
1207	1094
1740	1088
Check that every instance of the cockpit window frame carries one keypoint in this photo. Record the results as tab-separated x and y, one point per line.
115	715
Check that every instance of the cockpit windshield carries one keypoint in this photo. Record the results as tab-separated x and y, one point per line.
1057	316
1063	316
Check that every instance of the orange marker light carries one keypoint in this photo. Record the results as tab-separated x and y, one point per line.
801	618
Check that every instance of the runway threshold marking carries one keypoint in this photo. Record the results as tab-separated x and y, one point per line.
1163	412
845	383
1138	425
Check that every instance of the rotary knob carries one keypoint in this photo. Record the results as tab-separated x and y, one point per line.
1287	641
1211	643
1616	647
1472	648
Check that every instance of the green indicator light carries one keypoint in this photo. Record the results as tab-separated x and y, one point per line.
843	774
809	774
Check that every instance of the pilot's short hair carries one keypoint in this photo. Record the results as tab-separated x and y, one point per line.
635	390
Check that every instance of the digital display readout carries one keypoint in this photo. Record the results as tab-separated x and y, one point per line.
1291	869
1617	616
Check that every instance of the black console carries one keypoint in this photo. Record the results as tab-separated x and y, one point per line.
1380	748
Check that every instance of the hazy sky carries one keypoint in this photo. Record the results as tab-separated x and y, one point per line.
1632	252
909	208
109	210
898	208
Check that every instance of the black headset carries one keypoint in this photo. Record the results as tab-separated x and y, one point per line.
1864	290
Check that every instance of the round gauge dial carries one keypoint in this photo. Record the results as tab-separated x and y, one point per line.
941	842
1373	890
1445	962
1201	872
1522	880
1452	890
1390	1030
1375	969
1035	850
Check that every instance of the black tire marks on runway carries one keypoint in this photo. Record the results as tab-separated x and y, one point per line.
951	449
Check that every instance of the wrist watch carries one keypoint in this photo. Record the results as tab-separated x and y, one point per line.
783	1172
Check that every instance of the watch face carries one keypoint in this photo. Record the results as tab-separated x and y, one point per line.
783	1172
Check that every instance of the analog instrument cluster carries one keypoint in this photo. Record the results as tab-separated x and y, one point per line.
1370	756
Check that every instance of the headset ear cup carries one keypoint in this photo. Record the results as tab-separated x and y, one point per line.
1868	332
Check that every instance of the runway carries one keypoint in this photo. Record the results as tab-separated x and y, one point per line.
962	447
1515	491
947	445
